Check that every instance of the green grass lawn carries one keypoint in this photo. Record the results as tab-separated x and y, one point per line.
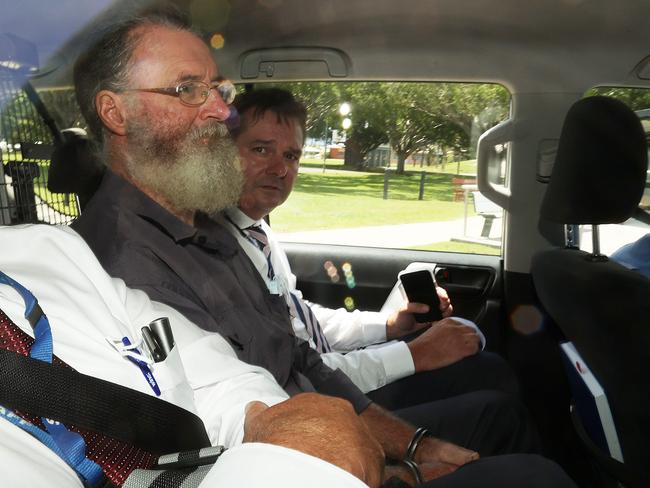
465	247
344	199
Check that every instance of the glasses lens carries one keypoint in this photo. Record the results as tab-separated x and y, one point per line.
193	92
227	91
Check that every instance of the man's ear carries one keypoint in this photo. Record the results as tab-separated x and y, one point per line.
110	108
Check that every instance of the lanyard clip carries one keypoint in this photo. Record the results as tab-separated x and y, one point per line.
34	315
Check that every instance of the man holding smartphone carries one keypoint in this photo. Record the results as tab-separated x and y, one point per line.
441	362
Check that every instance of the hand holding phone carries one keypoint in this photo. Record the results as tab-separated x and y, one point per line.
420	287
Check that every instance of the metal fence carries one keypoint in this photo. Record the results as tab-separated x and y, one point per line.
26	145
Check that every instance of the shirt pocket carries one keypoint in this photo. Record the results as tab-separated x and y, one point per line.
172	381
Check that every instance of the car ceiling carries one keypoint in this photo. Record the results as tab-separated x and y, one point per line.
529	46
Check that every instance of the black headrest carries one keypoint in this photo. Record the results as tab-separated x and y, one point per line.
76	167
601	164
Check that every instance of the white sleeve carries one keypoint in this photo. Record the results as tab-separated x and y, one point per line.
255	465
345	331
373	368
222	384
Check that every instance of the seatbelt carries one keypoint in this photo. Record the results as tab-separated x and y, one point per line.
51	391
36	386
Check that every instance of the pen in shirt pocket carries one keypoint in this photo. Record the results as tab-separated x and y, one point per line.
158	338
152	346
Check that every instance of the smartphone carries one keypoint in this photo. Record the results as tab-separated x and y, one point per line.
420	287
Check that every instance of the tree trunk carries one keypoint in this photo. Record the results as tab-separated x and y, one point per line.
401	160
353	155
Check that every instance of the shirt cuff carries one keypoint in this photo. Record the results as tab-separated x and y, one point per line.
254	464
397	360
373	327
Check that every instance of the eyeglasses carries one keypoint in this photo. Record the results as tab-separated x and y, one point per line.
195	93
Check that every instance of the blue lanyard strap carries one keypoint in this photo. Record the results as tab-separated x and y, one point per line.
148	375
42	347
68	445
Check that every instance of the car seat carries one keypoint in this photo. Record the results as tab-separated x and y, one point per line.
600	306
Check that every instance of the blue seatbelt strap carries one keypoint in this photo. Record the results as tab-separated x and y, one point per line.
68	445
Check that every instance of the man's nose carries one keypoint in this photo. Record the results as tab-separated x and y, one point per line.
277	166
214	107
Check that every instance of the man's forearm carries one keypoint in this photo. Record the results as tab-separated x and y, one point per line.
393	433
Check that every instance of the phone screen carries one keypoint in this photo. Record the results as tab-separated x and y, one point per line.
420	287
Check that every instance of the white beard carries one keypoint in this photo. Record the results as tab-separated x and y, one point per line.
198	171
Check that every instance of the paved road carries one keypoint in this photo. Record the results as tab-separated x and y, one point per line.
410	235
396	236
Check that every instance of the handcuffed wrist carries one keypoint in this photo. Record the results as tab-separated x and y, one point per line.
409	457
420	433
415	471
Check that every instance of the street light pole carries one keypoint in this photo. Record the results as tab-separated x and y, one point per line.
344	111
325	148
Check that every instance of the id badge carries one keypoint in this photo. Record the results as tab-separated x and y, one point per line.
274	287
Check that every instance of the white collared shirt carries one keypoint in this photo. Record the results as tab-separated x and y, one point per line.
369	368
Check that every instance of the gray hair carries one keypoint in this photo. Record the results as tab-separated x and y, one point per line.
106	64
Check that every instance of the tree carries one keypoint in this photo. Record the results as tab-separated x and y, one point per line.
368	130
635	98
409	116
469	110
321	99
410	119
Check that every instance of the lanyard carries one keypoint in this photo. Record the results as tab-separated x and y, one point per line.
146	372
68	445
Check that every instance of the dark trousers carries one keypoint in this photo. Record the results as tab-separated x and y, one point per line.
512	471
472	403
487	421
483	371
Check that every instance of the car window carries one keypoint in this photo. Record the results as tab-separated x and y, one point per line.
393	165
613	236
26	144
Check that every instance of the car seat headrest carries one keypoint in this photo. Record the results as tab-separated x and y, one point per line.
601	164
75	167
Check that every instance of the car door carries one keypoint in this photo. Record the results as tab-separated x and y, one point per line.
362	278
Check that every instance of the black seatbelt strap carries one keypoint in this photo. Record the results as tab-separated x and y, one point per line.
63	394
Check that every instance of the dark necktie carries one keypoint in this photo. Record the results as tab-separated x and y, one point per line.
298	307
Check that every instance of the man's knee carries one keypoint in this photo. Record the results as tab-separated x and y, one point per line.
504	406
497	372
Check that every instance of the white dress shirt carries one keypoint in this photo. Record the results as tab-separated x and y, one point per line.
87	310
369	368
